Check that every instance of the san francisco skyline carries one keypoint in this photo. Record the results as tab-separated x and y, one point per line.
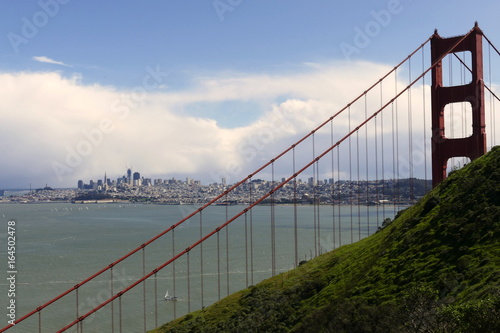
196	90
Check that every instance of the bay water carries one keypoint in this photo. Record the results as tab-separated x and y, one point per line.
58	245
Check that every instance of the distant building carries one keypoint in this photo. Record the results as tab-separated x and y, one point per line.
129	176
136	179
105	184
122	180
80	184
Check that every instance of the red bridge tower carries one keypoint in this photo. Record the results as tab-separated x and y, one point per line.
444	148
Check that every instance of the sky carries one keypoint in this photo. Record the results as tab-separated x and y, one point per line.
175	88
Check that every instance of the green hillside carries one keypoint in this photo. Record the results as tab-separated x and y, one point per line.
435	268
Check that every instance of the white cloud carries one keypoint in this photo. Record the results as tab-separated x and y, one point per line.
47	60
56	130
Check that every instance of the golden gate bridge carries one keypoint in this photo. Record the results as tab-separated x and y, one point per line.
434	106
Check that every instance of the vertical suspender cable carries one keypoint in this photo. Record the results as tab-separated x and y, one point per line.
366	161
493	119
227	253
295	218
396	130
251	237
201	261
77	315
425	123
144	287
273	230
332	185
376	166
218	265
120	314
492	101
351	192
450	83
339	190
394	180
188	281
246	243
314	197
173	271
246	251
382	153
39	322
317	200
358	184
156	299
464	115
112	303
410	134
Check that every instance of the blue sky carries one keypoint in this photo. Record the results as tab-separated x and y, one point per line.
110	42
108	48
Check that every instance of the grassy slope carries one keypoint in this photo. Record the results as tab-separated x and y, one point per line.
442	251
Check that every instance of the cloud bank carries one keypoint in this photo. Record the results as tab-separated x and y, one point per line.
56	130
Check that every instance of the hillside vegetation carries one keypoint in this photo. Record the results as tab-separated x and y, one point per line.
435	268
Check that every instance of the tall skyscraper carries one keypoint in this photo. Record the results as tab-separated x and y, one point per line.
105	185
137	179
129	176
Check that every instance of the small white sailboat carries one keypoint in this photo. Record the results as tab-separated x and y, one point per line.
170	298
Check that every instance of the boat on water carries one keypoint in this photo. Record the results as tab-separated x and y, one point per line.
170	298
227	203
